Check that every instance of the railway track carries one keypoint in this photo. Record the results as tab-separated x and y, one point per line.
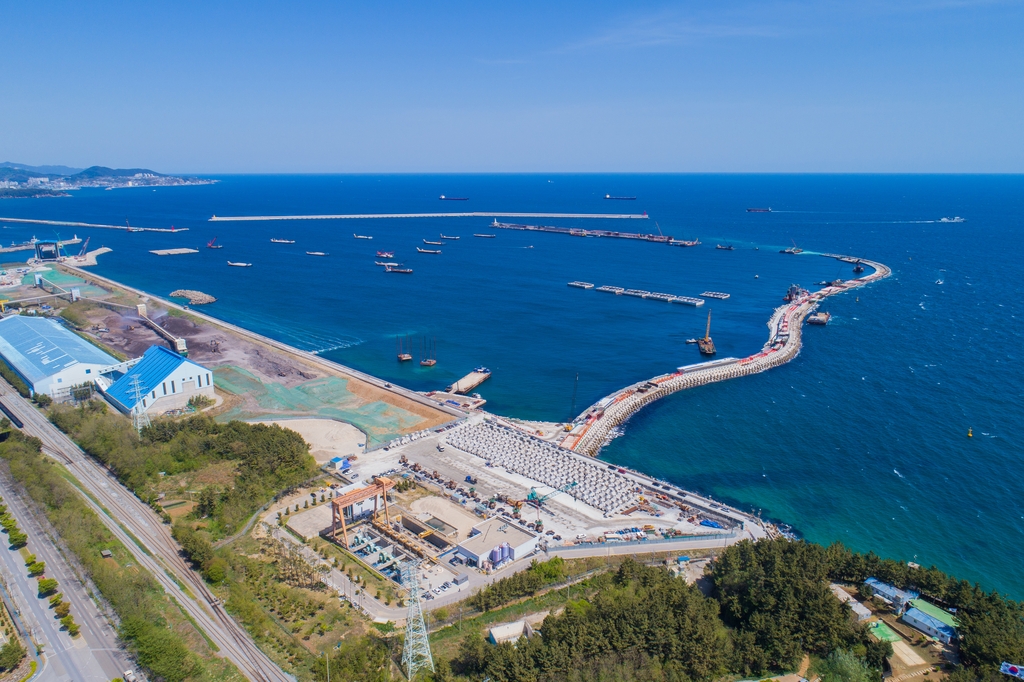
149	541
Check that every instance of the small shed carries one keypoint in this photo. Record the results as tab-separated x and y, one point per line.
461	579
892	594
931	620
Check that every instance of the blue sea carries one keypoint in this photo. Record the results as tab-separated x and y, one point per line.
862	438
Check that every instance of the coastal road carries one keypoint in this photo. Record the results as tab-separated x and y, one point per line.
149	541
92	656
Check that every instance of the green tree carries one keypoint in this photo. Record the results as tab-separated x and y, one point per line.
62	609
842	666
11	655
47	586
37	568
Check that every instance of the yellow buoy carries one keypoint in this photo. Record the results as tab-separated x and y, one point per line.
970	433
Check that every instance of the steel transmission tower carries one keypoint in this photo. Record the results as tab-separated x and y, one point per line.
416	654
140	418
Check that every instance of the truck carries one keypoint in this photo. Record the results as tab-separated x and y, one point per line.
471	480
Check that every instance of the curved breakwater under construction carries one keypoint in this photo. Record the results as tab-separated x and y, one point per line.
594	426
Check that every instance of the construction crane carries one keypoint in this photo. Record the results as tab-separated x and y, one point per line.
537	500
85	247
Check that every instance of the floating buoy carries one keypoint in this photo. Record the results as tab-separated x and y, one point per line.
970	433
756	276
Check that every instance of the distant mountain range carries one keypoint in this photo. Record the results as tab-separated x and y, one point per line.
23	180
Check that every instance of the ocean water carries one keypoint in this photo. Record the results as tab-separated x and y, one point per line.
862	438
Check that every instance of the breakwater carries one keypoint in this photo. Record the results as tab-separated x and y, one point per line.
470	214
577	232
594	426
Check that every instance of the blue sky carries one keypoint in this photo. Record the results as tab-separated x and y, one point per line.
870	86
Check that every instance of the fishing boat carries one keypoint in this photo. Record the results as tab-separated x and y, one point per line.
759	210
401	271
282	241
609	196
361	236
239	265
428	250
213	245
791	250
433	243
485	236
386	264
444	236
385	254
317	253
444	198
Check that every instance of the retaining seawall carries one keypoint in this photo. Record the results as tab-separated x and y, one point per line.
784	340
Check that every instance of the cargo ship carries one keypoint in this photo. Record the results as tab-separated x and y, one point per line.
316	253
727	247
282	241
361	236
759	210
240	265
485	236
433	243
401	271
387	264
428	250
684	242
444	198
444	236
385	254
705	344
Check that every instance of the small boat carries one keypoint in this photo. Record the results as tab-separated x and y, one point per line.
385	254
691	340
433	243
401	271
361	236
728	247
609	196
213	245
444	198
387	264
428	250
791	250
858	268
444	236
939	281
240	265
282	241
485	236
759	210
317	253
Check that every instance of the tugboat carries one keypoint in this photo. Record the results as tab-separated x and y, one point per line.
858	268
706	345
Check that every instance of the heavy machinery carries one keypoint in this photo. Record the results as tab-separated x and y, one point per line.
537	500
706	345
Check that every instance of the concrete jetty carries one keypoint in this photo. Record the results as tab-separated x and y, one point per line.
69	223
577	232
593	427
29	246
471	214
469	382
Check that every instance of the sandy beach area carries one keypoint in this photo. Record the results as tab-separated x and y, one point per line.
327	438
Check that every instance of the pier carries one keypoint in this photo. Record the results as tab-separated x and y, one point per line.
29	246
470	214
68	223
469	382
593	428
173	252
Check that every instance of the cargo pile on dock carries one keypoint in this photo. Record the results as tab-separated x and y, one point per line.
194	297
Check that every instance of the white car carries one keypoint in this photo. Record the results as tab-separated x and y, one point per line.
129	676
581	536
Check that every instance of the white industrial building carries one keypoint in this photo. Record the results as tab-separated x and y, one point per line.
496	541
48	357
166	381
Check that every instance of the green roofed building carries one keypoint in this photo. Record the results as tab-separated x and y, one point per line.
931	620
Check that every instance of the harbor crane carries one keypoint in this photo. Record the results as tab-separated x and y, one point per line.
537	500
85	248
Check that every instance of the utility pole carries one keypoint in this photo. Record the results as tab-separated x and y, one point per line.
140	418
416	652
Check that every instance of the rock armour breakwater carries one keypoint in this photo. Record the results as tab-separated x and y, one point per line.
194	297
595	425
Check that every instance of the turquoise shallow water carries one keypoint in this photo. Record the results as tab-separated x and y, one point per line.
862	438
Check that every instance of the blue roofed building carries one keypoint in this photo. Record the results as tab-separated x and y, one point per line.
48	357
931	620
166	381
892	594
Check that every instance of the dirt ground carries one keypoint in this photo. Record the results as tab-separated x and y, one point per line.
378	412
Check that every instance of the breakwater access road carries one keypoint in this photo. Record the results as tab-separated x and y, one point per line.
472	214
594	426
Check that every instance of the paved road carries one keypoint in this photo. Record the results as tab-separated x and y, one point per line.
92	656
121	511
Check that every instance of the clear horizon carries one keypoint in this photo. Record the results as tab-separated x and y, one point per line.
741	87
